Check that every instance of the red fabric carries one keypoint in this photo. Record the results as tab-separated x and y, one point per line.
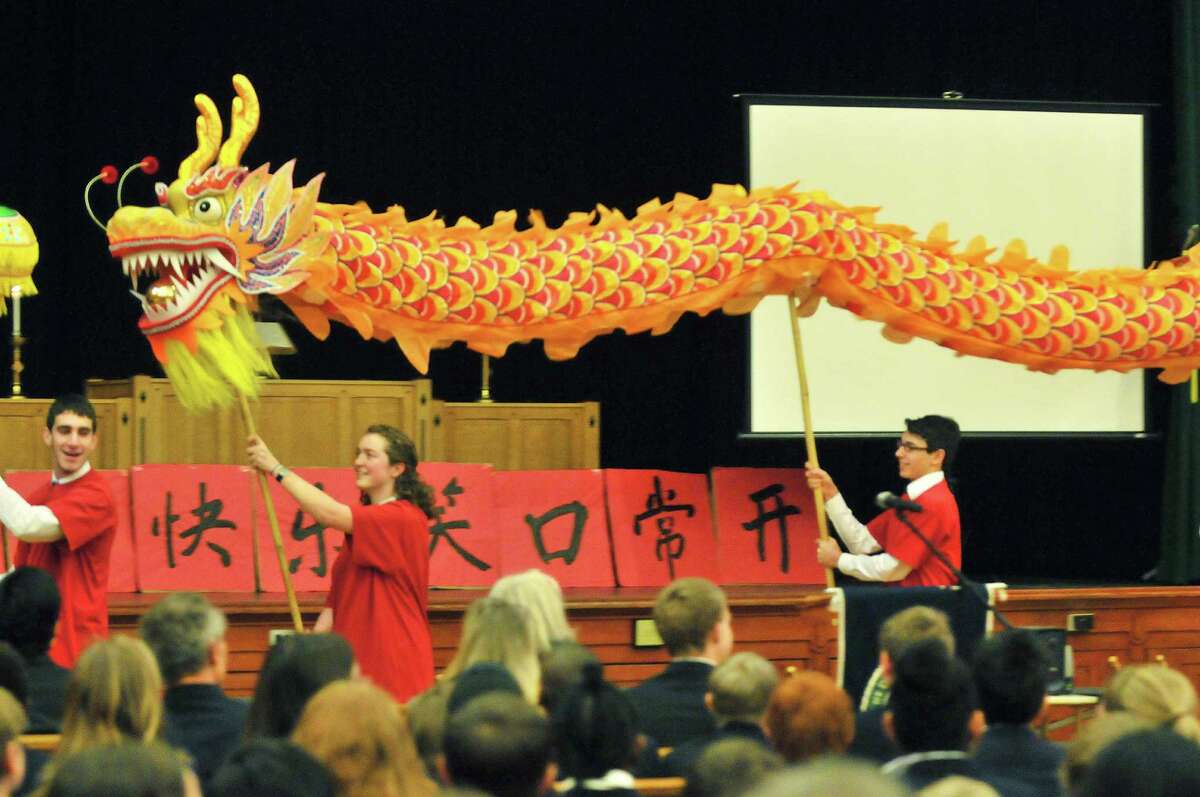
87	514
939	522
379	592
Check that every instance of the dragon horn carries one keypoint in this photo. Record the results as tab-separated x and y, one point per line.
208	138
244	122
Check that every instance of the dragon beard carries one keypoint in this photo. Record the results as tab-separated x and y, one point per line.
226	361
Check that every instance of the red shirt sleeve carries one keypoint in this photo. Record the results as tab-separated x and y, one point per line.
83	513
383	534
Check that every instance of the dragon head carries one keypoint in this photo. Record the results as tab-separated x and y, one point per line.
221	235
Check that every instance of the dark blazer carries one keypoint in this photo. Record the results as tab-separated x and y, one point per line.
1017	753
202	720
47	694
870	740
670	705
681	759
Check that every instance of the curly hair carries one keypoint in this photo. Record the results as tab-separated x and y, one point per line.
409	485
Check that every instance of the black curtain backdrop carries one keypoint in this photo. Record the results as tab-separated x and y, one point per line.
1179	561
474	107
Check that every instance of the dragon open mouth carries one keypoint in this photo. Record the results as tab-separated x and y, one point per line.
173	278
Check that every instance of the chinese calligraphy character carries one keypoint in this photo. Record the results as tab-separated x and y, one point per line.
779	513
208	516
441	528
669	540
300	533
579	513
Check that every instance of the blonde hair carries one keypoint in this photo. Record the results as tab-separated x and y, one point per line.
685	611
114	695
1091	740
498	631
1157	694
958	786
539	593
356	730
741	686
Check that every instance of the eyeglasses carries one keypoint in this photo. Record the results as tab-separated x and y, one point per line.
909	447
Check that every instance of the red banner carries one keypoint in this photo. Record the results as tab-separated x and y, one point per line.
193	525
766	527
464	541
308	547
554	521
122	569
661	526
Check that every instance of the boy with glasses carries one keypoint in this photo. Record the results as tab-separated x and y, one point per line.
885	549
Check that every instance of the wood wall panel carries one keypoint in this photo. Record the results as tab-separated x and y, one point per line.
23	420
313	423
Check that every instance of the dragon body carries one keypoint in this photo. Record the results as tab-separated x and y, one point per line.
223	235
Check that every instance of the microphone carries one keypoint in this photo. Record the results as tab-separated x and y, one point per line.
893	501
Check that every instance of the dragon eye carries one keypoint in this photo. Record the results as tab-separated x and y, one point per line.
208	210
160	190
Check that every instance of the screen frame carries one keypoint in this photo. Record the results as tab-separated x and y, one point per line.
746	101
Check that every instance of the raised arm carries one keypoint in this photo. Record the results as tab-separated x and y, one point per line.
323	508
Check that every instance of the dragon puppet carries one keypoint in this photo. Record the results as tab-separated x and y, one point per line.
223	234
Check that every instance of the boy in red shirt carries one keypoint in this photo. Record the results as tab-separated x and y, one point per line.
67	527
885	549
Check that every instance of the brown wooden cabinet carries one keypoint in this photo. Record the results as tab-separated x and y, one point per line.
521	436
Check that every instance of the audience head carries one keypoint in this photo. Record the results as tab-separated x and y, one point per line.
12	724
1010	677
933	700
940	434
356	730
740	686
958	786
271	768
562	667
427	720
1157	694
498	631
1153	763
124	769
809	715
693	619
480	679
730	768
499	744
29	607
113	696
13	676
187	635
832	776
542	597
914	624
295	668
595	727
1091	740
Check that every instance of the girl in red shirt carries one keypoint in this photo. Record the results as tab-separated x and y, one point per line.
380	581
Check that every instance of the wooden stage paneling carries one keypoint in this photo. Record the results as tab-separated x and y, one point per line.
792	626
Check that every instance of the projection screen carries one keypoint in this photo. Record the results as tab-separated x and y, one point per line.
1047	174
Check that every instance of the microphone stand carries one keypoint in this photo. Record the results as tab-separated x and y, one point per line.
977	590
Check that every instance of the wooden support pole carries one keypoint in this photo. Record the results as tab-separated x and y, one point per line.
810	440
248	419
